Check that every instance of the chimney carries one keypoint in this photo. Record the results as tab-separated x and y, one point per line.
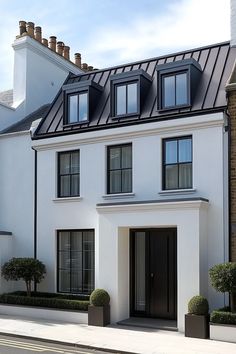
90	68
45	42
233	22
60	47
30	29
38	34
22	27
85	67
66	52
78	59
52	43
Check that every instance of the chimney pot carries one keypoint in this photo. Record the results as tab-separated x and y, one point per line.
30	29
60	47
85	66
90	68
38	34
45	42
78	59
66	52
52	43
22	27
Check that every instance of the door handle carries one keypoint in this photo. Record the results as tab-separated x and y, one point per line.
152	275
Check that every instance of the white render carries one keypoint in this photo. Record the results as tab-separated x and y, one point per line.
201	236
233	22
225	333
38	74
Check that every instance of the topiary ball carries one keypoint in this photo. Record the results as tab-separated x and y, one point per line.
99	297
198	305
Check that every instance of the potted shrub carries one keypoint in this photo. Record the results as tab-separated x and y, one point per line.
99	308
197	318
223	321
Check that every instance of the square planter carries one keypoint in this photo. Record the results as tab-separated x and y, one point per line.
98	315
223	332
197	326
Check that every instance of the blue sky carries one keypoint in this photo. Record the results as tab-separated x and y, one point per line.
110	32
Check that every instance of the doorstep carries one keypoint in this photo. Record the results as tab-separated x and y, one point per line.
146	322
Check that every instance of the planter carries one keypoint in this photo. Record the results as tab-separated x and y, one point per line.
45	313
98	315
197	326
223	332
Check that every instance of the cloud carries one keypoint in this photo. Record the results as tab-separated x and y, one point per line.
186	24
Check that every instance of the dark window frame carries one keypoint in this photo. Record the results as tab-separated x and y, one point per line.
120	169
58	252
59	154
174	74
177	163
78	121
126	84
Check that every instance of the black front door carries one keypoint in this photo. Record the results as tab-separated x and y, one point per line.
154	273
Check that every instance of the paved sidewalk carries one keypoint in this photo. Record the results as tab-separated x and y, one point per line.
119	338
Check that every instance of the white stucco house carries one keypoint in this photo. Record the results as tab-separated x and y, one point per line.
124	183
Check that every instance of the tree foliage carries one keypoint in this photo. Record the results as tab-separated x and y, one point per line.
27	269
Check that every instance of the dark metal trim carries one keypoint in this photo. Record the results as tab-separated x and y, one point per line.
7	233
159	201
179	64
131	74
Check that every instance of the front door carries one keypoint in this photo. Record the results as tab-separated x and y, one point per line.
154	273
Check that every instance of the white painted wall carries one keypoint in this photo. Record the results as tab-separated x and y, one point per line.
200	234
233	22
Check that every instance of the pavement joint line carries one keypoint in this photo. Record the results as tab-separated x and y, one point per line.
76	344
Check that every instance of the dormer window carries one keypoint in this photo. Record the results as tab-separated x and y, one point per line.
78	108
80	100
177	83
128	91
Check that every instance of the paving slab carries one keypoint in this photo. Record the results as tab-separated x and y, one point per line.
114	337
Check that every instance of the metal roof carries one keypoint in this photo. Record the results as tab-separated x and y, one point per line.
216	62
25	124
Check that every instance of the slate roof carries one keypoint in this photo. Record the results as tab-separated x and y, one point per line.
6	97
216	62
25	124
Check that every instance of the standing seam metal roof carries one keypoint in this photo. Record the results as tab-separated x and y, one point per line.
216	62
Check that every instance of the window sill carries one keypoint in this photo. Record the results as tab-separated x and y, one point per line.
126	116
118	196
67	199
178	191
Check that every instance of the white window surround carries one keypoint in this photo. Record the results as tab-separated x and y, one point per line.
118	195
178	191
67	199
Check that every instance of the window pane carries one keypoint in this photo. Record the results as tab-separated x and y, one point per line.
88	260
76	260
83	107
121	99
115	157
169	91
88	241
171	177
76	281
126	181
74	185
132	98
181	89
185	175
73	108
140	276
75	162
126	161
64	164
64	241
64	259
171	151
115	181
65	186
185	150
76	240
88	278
64	281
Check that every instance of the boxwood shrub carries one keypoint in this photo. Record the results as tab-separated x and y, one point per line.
223	316
49	300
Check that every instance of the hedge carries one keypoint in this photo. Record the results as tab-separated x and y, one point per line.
223	316
51	301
